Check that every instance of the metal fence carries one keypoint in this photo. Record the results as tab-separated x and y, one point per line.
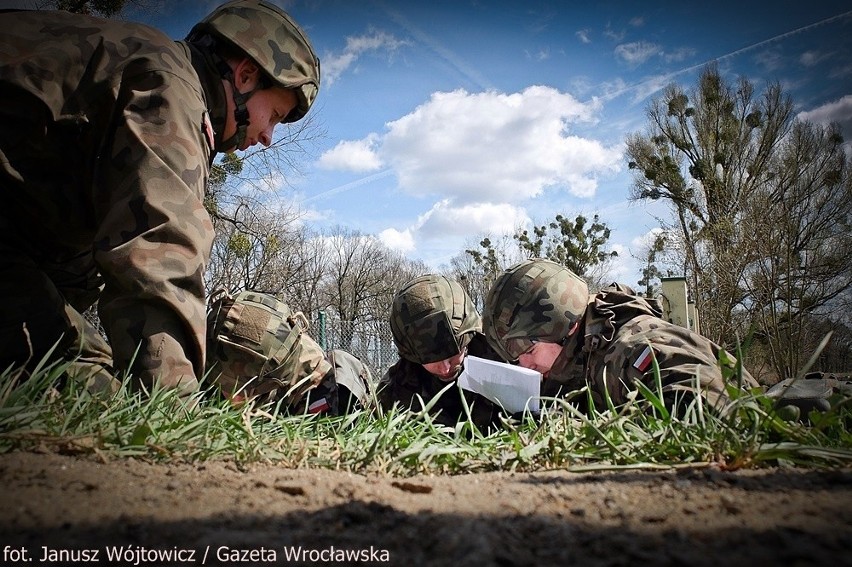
371	341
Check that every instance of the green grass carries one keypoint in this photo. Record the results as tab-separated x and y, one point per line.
159	426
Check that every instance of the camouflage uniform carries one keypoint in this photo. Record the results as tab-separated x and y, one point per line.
107	134
618	335
432	319
405	381
259	348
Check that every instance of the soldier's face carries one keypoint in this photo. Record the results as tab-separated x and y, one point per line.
540	357
266	107
448	369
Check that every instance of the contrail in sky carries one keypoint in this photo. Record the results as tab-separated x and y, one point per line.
348	186
450	57
667	77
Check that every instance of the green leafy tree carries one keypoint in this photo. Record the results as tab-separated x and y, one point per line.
486	258
576	244
229	166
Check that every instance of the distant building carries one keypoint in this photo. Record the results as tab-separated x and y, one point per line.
678	308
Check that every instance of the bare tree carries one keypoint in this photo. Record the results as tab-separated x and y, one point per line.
799	228
259	240
363	275
264	167
305	288
256	249
762	211
361	278
481	262
651	272
708	153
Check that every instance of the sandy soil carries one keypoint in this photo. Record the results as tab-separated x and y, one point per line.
70	510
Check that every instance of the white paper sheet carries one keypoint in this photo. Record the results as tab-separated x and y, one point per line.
513	387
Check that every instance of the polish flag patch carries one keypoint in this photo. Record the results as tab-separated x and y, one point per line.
319	406
643	362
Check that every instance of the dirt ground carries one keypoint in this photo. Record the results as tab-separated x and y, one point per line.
71	510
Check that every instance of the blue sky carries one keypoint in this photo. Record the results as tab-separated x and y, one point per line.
447	119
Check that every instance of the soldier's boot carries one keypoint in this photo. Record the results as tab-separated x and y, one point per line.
90	356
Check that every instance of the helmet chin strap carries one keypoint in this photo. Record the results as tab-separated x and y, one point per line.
241	114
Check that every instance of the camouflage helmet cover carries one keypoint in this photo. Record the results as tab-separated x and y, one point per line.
432	319
535	299
274	41
257	346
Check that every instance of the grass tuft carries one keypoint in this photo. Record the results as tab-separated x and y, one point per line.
644	433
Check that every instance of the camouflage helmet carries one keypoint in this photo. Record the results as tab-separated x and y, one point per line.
274	41
432	319
257	346
535	299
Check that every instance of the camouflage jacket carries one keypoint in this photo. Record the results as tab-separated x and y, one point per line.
619	336
106	158
405	381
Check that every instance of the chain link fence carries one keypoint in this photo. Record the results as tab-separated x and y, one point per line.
371	341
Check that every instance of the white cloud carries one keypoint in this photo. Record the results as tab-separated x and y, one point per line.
637	52
496	147
352	155
451	225
447	219
334	64
583	36
679	54
644	241
402	241
839	111
811	58
610	33
641	90
769	59
840	72
541	55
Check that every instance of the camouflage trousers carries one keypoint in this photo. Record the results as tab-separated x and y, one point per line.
42	313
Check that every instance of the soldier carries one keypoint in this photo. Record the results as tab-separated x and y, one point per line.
541	315
435	325
108	130
258	348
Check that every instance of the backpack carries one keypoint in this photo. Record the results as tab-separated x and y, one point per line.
815	392
354	381
258	347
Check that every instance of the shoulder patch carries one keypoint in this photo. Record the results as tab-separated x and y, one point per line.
319	406
643	361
